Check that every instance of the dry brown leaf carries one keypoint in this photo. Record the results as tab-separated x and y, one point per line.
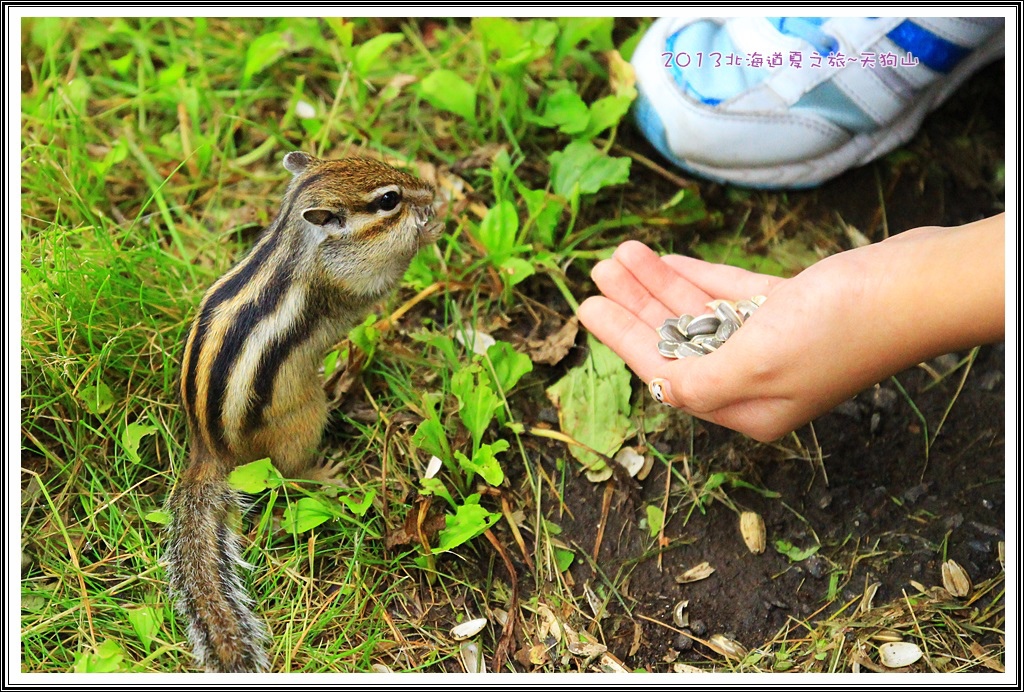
701	571
553	348
986	658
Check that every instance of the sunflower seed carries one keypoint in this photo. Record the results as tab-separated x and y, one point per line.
726	329
711	345
467	629
669	331
727	313
898	654
955	579
752	530
701	571
469	652
730	648
703	324
679	615
686	349
746	308
668	348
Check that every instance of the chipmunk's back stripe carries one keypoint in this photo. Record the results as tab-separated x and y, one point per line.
227	287
194	346
243	322
234	281
259	340
274	357
302	185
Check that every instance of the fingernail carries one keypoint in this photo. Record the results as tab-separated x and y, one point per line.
660	390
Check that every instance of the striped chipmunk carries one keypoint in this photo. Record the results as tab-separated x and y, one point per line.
250	381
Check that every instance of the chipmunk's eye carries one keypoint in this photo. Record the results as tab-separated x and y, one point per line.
388	201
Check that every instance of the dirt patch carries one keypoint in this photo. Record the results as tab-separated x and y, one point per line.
883	497
879	511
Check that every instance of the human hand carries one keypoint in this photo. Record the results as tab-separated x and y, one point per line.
822	336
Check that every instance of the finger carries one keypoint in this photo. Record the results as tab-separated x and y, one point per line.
721	280
660	280
623	332
729	376
621	286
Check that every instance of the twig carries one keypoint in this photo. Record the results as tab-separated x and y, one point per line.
606	502
507	632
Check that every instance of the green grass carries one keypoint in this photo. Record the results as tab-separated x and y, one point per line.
151	156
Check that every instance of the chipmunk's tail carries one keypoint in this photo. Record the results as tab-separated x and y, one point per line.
204	562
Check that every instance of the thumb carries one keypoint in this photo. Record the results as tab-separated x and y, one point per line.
661	390
697	385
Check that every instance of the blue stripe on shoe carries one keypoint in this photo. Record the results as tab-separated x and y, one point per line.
808	29
650	124
933	51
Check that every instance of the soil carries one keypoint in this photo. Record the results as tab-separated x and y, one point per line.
860	483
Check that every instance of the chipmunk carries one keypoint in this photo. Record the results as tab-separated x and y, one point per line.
250	382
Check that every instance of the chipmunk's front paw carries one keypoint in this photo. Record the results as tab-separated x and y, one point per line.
326	471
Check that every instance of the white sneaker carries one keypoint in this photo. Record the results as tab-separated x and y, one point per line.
792	102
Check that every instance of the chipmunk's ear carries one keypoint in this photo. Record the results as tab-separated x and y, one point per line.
331	221
298	161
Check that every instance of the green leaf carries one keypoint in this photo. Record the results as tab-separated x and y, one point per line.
47	31
514	270
123	64
447	91
604	113
255	477
159	516
565	110
305	514
434	486
504	34
498	229
596	30
368	53
430	435
342	30
424	269
132	436
714	482
171	74
470	520
794	553
107	659
115	155
509	365
331	362
655	520
97	398
359	507
564	558
365	336
484	463
477	401
146	621
263	52
593	405
580	163
545	212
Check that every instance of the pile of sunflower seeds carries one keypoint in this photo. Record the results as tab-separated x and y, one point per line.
697	336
